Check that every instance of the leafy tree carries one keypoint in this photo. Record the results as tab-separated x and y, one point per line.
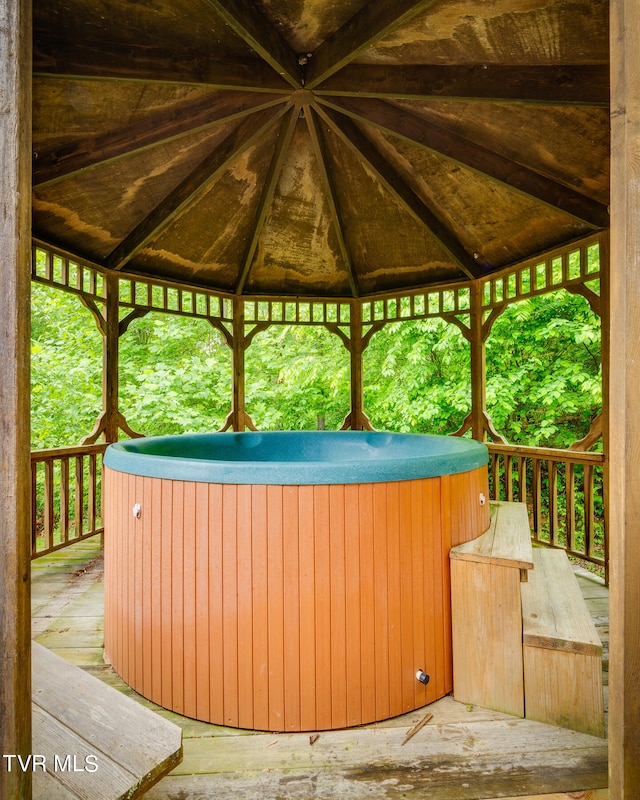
297	378
544	373
66	369
417	377
174	376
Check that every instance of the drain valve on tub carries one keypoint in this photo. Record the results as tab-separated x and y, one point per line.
137	511
422	677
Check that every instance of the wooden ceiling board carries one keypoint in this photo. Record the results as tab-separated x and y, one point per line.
570	145
298	239
307	23
68	111
321	147
500	32
177	24
479	210
206	243
116	196
383	238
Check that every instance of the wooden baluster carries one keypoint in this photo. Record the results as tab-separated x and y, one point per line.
49	517
91	509
536	498
79	498
589	515
508	477
522	479
571	506
64	499
34	507
553	502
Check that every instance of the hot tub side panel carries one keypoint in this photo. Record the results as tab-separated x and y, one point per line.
285	607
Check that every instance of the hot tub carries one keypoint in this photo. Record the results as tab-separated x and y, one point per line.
287	581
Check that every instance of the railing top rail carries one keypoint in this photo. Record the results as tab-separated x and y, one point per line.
549	453
63	452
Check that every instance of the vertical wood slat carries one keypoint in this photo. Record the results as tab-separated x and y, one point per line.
79	496
64	499
278	609
508	477
589	511
322	561
337	584
34	510
49	520
92	499
554	528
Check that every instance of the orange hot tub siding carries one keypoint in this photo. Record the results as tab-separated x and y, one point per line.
285	608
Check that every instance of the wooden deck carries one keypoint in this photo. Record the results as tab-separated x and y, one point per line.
462	753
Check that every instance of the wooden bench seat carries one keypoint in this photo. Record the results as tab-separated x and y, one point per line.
93	741
562	650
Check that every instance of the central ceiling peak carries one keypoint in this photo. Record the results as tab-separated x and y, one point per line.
302	97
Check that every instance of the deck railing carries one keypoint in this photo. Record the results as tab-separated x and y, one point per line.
66	504
563	490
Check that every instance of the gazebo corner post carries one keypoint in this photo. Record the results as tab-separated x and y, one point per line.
623	456
478	364
15	469
356	419
111	359
108	322
238	408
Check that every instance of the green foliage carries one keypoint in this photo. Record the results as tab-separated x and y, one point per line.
297	378
544	370
417	377
543	374
66	369
175	375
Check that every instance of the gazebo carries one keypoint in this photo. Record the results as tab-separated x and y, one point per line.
344	165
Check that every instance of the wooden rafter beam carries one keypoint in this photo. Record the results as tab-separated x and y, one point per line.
100	60
168	124
430	135
246	134
331	197
266	197
364	149
375	20
248	22
582	84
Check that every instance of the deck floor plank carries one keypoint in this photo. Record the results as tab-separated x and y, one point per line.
461	754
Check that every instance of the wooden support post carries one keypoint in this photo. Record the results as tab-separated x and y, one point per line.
478	364
624	403
110	348
15	481
238	415
356	419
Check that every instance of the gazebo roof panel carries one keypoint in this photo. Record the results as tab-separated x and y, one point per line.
197	140
307	23
571	143
478	210
118	195
69	112
179	25
499	32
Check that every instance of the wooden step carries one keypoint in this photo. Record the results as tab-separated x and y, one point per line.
507	541
92	741
561	648
486	613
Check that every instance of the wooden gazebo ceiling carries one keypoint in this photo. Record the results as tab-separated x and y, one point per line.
330	148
